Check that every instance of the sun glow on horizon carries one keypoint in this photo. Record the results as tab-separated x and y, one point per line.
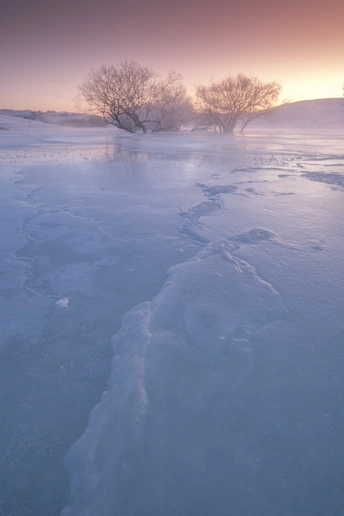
314	87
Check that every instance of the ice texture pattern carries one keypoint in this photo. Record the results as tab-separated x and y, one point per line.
172	323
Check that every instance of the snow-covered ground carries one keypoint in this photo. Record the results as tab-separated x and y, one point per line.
64	118
318	114
172	323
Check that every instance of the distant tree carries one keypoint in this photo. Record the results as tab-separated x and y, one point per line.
234	101
134	98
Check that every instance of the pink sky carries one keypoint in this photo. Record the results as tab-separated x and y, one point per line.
47	49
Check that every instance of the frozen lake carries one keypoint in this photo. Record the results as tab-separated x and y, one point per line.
172	323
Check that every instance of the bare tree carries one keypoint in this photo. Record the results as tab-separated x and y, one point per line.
235	100
134	98
172	104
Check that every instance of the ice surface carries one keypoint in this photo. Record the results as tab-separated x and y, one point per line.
172	323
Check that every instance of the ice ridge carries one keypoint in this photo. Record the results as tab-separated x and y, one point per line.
177	358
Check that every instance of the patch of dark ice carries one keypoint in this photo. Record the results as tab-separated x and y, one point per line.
323	177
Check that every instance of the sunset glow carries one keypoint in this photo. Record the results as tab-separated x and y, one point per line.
46	50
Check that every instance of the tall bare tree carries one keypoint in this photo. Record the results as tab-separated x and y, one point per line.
134	98
234	101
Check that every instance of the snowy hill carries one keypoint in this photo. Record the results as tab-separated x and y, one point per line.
305	114
14	122
21	113
55	117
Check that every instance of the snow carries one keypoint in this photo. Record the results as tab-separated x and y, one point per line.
63	302
172	322
53	117
323	114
